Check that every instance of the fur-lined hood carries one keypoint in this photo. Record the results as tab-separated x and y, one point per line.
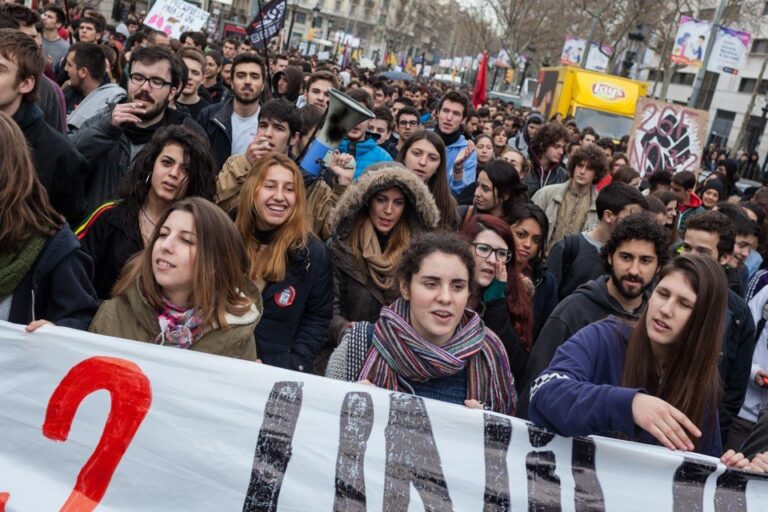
421	213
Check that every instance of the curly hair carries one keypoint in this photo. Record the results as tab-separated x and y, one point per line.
640	226
548	135
591	156
715	222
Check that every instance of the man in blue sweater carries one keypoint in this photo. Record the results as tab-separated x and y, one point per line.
632	257
460	155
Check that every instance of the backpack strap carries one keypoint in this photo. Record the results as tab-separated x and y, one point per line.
570	251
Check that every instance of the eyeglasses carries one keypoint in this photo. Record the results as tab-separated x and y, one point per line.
154	82
485	250
408	123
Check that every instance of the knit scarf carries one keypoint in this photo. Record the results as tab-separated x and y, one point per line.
15	264
398	354
380	268
178	327
571	215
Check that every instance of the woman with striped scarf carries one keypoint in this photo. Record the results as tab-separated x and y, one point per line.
427	342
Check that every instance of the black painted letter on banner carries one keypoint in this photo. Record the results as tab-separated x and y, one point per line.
498	434
273	448
730	494
412	457
356	423
688	485
589	494
543	483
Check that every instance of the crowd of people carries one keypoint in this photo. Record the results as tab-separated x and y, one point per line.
487	257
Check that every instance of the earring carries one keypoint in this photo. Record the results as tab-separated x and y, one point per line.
149	176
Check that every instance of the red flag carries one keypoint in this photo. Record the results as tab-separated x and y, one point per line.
478	95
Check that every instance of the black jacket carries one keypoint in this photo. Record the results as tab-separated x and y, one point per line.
297	310
60	166
544	297
216	120
58	287
589	303
574	261
110	152
110	239
496	317
735	361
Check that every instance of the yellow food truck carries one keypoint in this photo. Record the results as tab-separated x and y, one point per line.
604	102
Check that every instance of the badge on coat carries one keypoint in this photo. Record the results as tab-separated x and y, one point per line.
286	297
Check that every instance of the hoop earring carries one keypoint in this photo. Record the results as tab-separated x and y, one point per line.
149	176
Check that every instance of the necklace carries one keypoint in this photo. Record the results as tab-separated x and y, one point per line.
145	236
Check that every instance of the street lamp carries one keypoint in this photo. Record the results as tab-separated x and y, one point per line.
636	37
531	50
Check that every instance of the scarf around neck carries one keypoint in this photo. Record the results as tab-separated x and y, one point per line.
15	264
380	268
179	328
398	354
448	138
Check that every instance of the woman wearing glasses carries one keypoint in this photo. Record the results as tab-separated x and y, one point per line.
501	296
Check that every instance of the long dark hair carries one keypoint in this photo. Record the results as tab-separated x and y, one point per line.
438	183
689	380
518	302
506	181
201	170
522	211
430	243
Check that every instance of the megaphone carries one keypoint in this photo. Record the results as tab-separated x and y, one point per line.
342	115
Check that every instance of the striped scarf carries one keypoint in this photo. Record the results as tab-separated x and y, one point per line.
398	354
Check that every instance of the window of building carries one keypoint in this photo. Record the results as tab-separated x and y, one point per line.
759	47
765	9
747	85
301	17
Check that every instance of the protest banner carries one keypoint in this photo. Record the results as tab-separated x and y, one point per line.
666	137
267	22
690	42
175	17
730	51
92	422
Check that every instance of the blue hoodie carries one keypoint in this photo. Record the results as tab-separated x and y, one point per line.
580	393
367	152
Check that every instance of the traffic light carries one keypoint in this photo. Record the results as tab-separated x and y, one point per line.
311	34
509	77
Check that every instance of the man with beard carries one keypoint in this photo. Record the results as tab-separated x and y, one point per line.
232	124
632	257
112	140
88	92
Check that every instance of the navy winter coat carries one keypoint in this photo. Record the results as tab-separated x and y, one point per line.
297	310
58	287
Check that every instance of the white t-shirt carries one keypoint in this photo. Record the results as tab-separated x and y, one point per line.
243	131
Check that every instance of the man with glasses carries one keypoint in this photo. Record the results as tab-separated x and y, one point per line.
111	140
406	123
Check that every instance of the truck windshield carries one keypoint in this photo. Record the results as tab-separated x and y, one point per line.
607	125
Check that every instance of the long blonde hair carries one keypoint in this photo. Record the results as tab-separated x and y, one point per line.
268	262
219	282
24	203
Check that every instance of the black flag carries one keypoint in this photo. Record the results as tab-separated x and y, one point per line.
267	22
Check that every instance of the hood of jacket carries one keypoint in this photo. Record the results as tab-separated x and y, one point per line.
295	78
28	115
535	118
57	248
597	293
421	212
104	97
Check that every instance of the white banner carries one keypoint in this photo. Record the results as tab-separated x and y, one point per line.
175	17
96	422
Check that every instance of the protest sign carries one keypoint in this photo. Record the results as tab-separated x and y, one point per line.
92	422
175	17
666	137
730	51
690	42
